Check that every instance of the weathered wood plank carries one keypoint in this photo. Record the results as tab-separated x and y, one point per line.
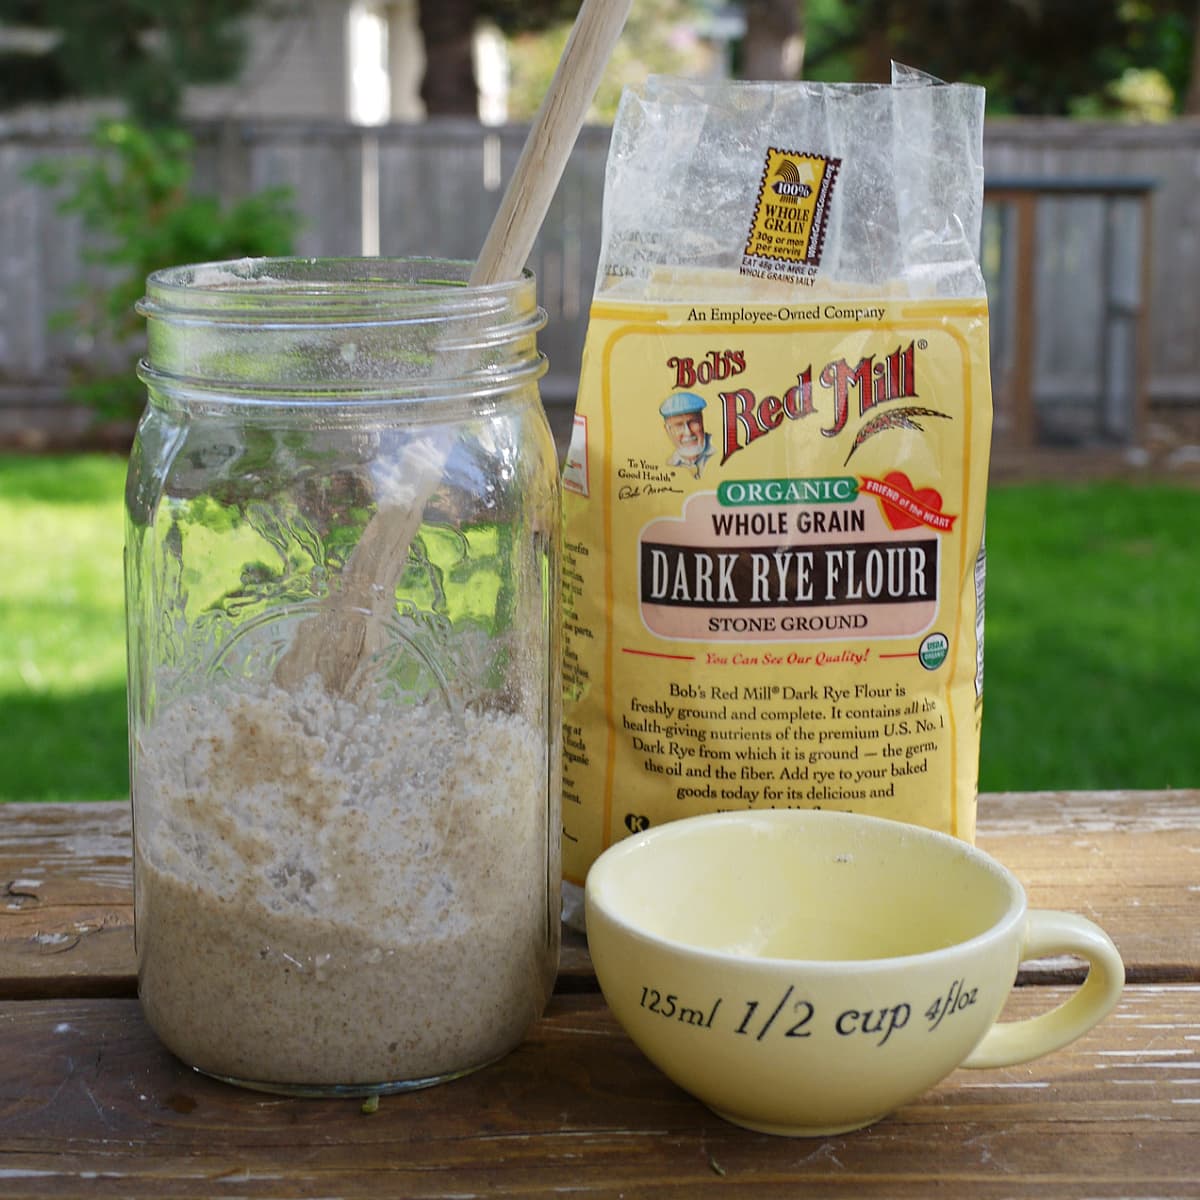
1129	861
1037	813
66	900
86	1093
66	903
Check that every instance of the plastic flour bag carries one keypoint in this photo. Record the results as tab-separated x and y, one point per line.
774	493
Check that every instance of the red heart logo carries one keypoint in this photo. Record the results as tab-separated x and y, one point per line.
896	517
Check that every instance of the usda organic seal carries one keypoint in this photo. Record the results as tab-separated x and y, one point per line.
933	651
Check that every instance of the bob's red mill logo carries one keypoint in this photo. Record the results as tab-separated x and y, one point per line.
787	232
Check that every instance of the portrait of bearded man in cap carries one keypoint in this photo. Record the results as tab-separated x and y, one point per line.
683	419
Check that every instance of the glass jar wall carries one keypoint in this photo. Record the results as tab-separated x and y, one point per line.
341	565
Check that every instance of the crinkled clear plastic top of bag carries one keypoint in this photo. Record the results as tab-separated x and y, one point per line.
686	175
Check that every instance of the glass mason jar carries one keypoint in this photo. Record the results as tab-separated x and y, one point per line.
342	604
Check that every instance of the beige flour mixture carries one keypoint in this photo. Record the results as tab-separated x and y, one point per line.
330	893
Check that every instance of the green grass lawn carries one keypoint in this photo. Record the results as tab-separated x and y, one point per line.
62	629
1092	647
1093	634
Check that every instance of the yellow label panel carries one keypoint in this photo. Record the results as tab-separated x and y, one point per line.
773	563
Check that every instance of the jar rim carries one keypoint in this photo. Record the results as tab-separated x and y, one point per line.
321	290
338	329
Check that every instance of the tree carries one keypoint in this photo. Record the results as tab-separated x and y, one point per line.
142	51
773	46
448	26
1191	104
448	87
1108	57
134	198
659	37
1053	57
133	194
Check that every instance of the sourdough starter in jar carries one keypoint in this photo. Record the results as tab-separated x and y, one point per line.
372	906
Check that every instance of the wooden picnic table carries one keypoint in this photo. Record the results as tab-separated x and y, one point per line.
91	1105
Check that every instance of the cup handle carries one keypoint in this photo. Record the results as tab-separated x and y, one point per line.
1049	932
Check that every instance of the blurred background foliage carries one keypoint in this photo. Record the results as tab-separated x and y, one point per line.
135	197
1133	59
1085	58
143	51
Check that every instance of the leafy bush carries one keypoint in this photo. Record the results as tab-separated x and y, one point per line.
134	197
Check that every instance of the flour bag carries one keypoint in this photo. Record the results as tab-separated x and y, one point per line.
774	493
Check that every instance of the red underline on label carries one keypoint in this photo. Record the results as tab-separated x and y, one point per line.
655	654
912	655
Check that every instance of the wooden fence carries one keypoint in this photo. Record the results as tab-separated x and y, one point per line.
1095	273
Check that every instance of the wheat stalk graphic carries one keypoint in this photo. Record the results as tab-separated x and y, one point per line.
895	418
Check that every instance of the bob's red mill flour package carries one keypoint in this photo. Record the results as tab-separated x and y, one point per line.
774	493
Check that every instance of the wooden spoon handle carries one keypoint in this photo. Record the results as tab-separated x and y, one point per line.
523	208
334	643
